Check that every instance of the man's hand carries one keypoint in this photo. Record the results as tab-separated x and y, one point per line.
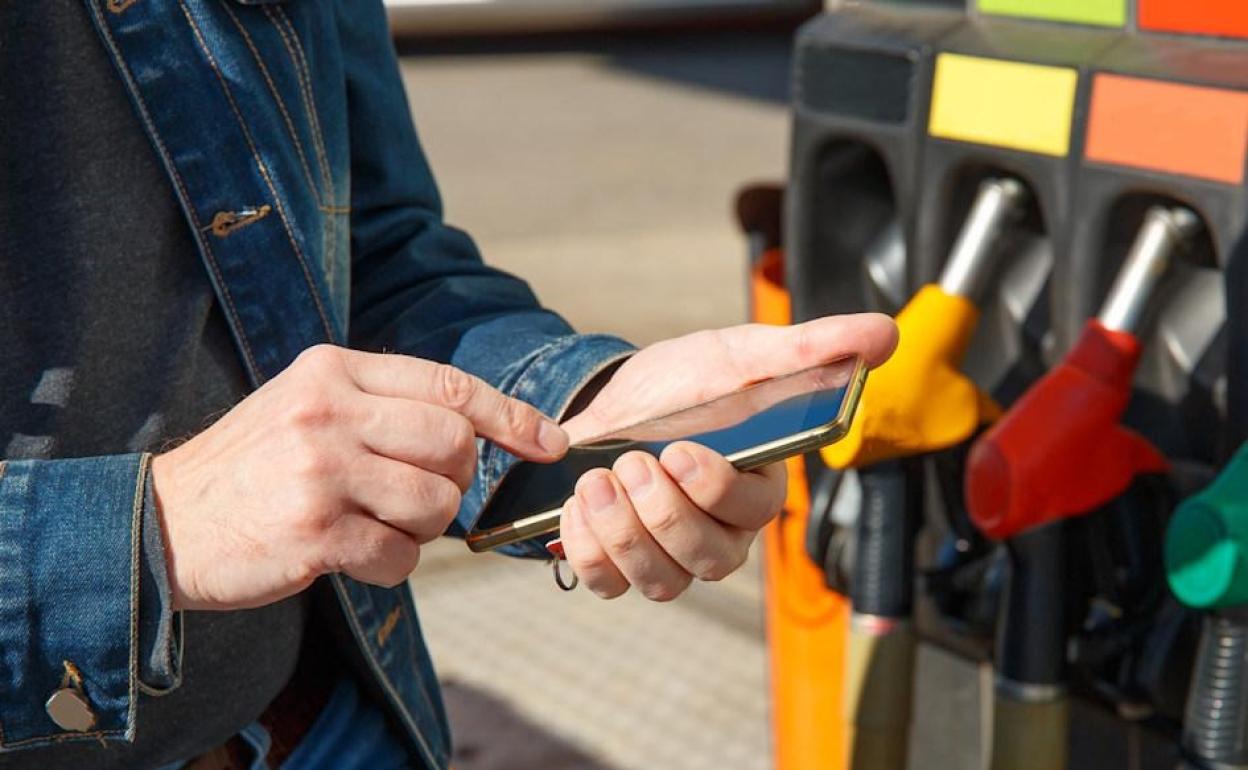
345	462
657	524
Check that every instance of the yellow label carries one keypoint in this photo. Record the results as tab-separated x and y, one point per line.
1024	107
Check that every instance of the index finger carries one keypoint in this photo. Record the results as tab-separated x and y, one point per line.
512	424
775	350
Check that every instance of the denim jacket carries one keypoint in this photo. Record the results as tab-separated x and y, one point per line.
285	132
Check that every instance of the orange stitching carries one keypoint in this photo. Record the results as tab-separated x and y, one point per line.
145	114
64	737
281	105
117	6
302	74
387	627
264	171
350	612
300	63
136	517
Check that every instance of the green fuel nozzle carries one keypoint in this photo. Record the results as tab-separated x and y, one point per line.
1206	544
1207	541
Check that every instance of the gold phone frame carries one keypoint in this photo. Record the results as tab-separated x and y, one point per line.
747	459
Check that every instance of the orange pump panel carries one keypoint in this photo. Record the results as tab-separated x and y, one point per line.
918	401
807	624
1201	17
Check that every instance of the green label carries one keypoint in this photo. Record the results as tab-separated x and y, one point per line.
1103	13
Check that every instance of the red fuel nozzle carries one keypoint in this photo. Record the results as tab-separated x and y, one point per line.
1059	451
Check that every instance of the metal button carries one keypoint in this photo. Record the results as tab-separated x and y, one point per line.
70	710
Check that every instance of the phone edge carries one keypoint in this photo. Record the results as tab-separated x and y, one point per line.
755	457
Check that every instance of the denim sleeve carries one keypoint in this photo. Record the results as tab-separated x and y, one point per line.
69	592
160	628
419	286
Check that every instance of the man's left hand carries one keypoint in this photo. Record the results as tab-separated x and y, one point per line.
659	523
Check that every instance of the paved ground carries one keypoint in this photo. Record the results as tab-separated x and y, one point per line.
603	171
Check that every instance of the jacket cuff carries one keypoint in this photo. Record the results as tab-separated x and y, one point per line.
69	575
549	378
160	628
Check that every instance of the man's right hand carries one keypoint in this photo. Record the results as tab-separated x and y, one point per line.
344	462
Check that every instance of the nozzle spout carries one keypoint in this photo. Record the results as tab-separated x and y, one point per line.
1165	229
998	202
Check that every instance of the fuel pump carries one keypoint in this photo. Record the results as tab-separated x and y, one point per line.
1207	567
916	403
1061	452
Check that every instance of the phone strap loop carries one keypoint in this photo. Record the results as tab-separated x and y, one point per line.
557	559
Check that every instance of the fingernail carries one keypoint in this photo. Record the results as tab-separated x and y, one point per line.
634	474
597	492
681	465
552	438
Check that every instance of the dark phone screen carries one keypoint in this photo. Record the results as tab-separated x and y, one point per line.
764	412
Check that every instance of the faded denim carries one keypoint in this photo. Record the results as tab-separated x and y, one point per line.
285	132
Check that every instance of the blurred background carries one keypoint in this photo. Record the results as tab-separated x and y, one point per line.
594	148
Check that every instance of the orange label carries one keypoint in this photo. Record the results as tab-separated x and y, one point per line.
1179	129
1201	17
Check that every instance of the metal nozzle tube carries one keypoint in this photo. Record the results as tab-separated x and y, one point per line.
1164	230
969	265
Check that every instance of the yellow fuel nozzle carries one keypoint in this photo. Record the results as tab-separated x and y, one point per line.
919	401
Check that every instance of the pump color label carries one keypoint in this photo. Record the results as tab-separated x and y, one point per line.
1024	107
1170	127
1102	13
1200	17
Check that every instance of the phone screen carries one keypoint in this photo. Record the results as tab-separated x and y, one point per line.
766	412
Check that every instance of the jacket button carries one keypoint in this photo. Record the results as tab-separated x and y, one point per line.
69	709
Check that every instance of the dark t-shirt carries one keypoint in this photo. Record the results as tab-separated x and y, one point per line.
110	342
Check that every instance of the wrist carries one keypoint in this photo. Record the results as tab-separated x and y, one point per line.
162	480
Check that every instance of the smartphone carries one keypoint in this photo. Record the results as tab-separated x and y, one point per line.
762	423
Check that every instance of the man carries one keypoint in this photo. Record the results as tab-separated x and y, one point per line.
203	205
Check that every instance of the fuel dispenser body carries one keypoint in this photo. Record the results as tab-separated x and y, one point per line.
902	111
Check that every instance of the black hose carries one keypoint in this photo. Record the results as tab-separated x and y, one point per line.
883	576
1031	637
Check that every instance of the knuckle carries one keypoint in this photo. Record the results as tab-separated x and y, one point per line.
663	520
623	542
454	387
403	569
521	419
320	357
461	439
446	499
302	573
313	517
715	570
311	408
438	502
589	564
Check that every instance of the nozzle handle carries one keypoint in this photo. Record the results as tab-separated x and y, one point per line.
1206	549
